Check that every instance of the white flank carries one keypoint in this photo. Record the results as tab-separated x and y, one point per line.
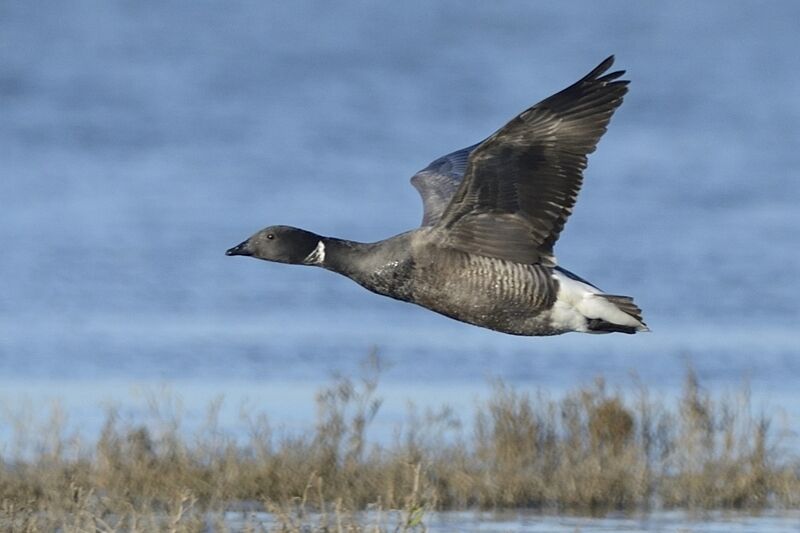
577	301
317	257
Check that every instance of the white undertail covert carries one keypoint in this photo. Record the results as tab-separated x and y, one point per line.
577	301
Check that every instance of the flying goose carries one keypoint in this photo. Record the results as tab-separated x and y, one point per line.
492	213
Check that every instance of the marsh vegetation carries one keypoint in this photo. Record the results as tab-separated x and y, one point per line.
591	450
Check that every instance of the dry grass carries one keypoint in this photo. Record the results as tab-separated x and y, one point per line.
590	451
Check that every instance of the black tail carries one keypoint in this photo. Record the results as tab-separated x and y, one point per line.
597	325
624	304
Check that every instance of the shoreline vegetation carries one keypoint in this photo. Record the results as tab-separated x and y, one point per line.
590	451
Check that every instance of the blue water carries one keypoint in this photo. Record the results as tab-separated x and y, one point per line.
521	522
139	140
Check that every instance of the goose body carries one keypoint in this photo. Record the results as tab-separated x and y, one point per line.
492	213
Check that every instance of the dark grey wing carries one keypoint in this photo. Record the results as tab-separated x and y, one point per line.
439	181
521	183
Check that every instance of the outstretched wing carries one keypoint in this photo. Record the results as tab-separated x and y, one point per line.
439	181
521	183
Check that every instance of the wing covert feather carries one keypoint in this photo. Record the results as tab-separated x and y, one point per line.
520	184
438	182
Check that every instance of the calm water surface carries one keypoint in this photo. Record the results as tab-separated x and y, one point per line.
140	140
678	522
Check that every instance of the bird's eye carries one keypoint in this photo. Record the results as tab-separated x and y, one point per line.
270	236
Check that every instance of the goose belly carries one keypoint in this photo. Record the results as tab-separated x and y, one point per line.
488	292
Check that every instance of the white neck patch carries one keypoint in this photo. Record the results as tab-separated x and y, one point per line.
317	257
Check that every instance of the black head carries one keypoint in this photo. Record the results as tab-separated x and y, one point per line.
282	244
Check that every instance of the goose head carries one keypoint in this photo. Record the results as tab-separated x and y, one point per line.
283	244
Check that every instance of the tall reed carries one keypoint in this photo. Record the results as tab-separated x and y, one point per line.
591	450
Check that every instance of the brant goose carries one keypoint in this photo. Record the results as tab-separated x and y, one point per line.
492	213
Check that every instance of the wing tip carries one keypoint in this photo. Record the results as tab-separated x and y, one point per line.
598	73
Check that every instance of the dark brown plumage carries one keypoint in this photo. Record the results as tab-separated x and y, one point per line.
521	183
492	213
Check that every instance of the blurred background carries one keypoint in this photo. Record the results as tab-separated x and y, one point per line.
139	140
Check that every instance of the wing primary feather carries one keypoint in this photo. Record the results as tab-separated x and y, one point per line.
520	184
